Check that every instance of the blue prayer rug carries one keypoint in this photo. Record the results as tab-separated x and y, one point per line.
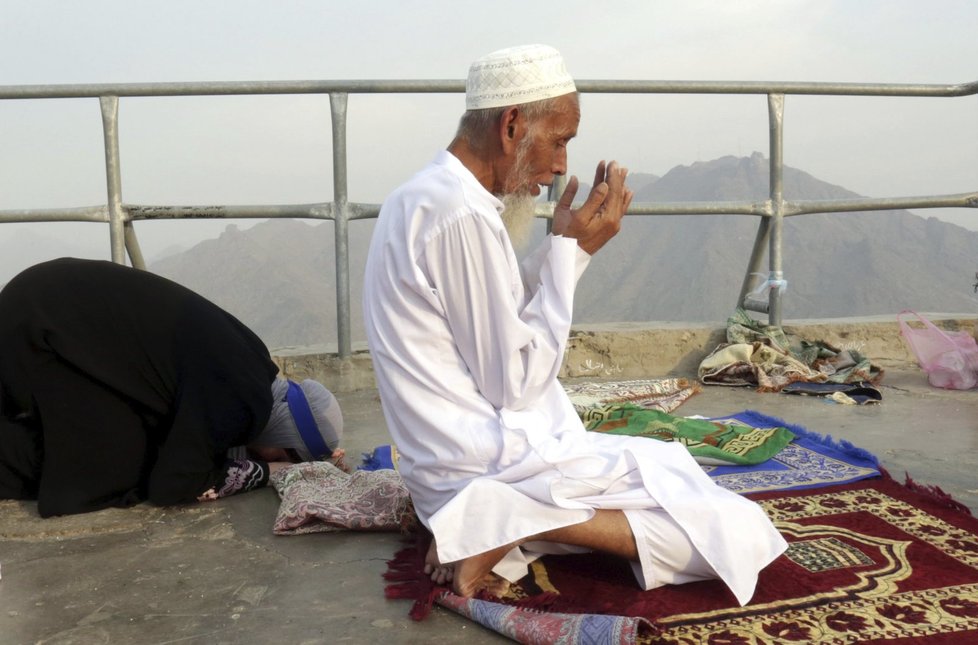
810	461
382	458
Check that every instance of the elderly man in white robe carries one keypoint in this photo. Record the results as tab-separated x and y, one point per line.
467	347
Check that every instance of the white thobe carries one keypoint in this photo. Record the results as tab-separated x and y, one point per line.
466	351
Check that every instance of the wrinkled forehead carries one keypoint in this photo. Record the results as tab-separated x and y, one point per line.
562	121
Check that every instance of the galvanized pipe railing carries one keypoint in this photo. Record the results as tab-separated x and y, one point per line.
120	216
341	217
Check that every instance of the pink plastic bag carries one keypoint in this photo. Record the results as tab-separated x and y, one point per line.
950	358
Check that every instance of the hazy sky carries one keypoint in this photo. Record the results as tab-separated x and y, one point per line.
276	150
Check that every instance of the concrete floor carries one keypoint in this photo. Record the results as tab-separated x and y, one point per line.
214	573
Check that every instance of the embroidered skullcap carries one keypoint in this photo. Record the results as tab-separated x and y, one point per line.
282	431
515	76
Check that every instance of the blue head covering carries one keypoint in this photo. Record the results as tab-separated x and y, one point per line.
305	417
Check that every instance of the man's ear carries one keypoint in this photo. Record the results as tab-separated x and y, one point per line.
512	129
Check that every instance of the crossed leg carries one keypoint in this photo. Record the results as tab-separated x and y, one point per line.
608	531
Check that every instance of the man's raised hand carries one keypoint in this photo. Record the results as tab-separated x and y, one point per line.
599	217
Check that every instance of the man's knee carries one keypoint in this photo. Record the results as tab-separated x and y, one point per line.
666	554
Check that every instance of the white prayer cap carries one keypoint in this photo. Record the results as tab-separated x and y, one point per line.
515	76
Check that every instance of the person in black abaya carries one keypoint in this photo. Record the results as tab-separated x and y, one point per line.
118	386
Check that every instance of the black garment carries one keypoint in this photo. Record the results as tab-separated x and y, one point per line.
118	385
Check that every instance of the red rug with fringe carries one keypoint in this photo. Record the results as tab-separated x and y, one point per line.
871	561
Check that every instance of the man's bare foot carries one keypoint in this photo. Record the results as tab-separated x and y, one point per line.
440	573
474	574
496	585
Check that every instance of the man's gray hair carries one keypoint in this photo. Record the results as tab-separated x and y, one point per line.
476	126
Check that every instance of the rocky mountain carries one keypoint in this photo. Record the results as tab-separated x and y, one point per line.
279	276
843	264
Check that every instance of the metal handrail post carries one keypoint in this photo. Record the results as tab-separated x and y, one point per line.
554	193
132	246
761	241
113	177
775	105
338	103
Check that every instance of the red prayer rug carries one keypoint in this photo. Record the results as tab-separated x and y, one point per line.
870	561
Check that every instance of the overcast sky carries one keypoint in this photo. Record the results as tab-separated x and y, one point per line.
276	150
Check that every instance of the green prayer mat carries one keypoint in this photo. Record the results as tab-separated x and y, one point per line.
712	443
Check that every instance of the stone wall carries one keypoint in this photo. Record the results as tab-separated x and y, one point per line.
647	350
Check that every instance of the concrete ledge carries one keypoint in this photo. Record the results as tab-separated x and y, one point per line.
339	375
644	350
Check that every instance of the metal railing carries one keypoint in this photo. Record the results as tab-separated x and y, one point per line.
341	211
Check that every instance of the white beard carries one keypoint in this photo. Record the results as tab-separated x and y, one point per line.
518	214
519	208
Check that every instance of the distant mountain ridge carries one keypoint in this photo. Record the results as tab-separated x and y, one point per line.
836	264
278	277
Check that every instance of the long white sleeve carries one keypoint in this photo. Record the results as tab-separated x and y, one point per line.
512	348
